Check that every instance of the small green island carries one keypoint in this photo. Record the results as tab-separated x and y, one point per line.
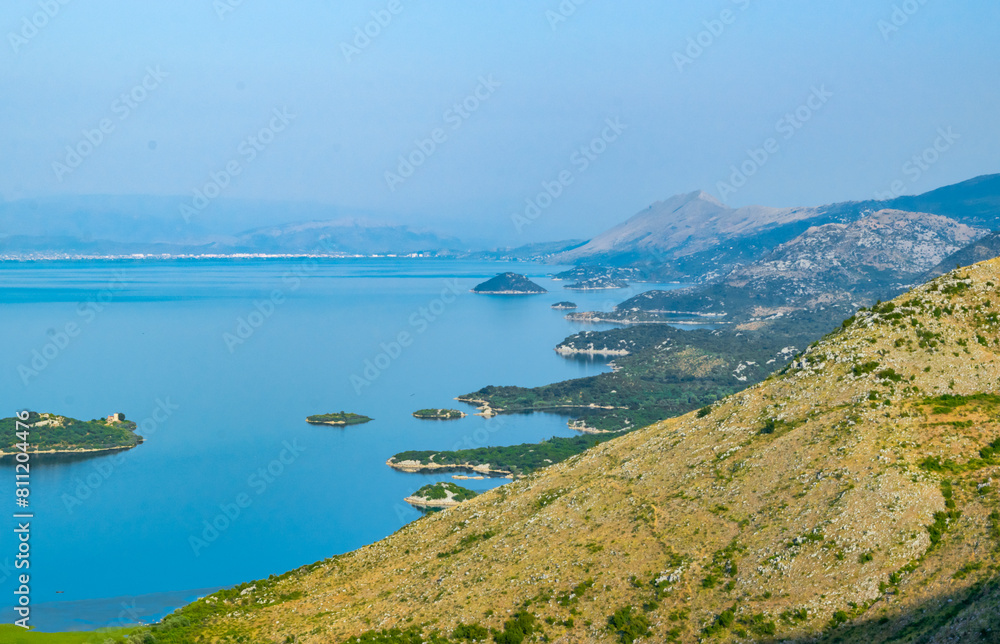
509	284
440	495
54	434
564	305
340	418
438	414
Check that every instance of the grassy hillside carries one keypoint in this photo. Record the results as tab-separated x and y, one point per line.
10	634
851	497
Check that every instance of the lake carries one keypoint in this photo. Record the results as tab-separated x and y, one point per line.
220	361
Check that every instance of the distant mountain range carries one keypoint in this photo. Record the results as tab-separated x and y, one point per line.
975	202
694	237
347	236
102	225
981	250
799	266
827	270
123	225
681	225
891	246
689	237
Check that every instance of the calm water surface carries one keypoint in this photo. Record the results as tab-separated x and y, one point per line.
220	361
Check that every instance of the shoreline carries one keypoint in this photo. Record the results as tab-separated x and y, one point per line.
413	467
484	407
488	411
501	410
593	319
584	429
62	452
594	288
463	415
336	423
566	351
424	503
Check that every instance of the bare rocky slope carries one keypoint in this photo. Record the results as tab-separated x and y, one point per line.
981	250
681	225
887	240
694	238
851	497
890	247
879	255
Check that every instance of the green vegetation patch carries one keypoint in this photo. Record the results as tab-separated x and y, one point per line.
863	368
411	635
470	633
466	541
438	414
949	404
516	629
629	625
10	634
52	432
509	283
439	491
339	418
946	405
668	372
722	622
515	459
187	624
988	457
778	426
723	565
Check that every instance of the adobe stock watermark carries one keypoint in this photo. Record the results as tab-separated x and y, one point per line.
579	161
225	7
246	152
920	163
264	308
454	117
127	616
6	570
418	323
61	338
257	484
562	13
900	17
786	128
704	39
122	107
84	487
32	25
366	34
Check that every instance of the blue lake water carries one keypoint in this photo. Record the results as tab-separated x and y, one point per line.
220	361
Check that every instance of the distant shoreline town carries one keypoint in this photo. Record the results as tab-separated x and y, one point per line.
32	257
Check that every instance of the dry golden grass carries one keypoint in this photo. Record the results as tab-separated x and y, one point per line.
802	493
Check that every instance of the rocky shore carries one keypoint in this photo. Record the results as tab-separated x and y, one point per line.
416	466
590	351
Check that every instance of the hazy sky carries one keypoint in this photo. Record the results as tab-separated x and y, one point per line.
689	88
